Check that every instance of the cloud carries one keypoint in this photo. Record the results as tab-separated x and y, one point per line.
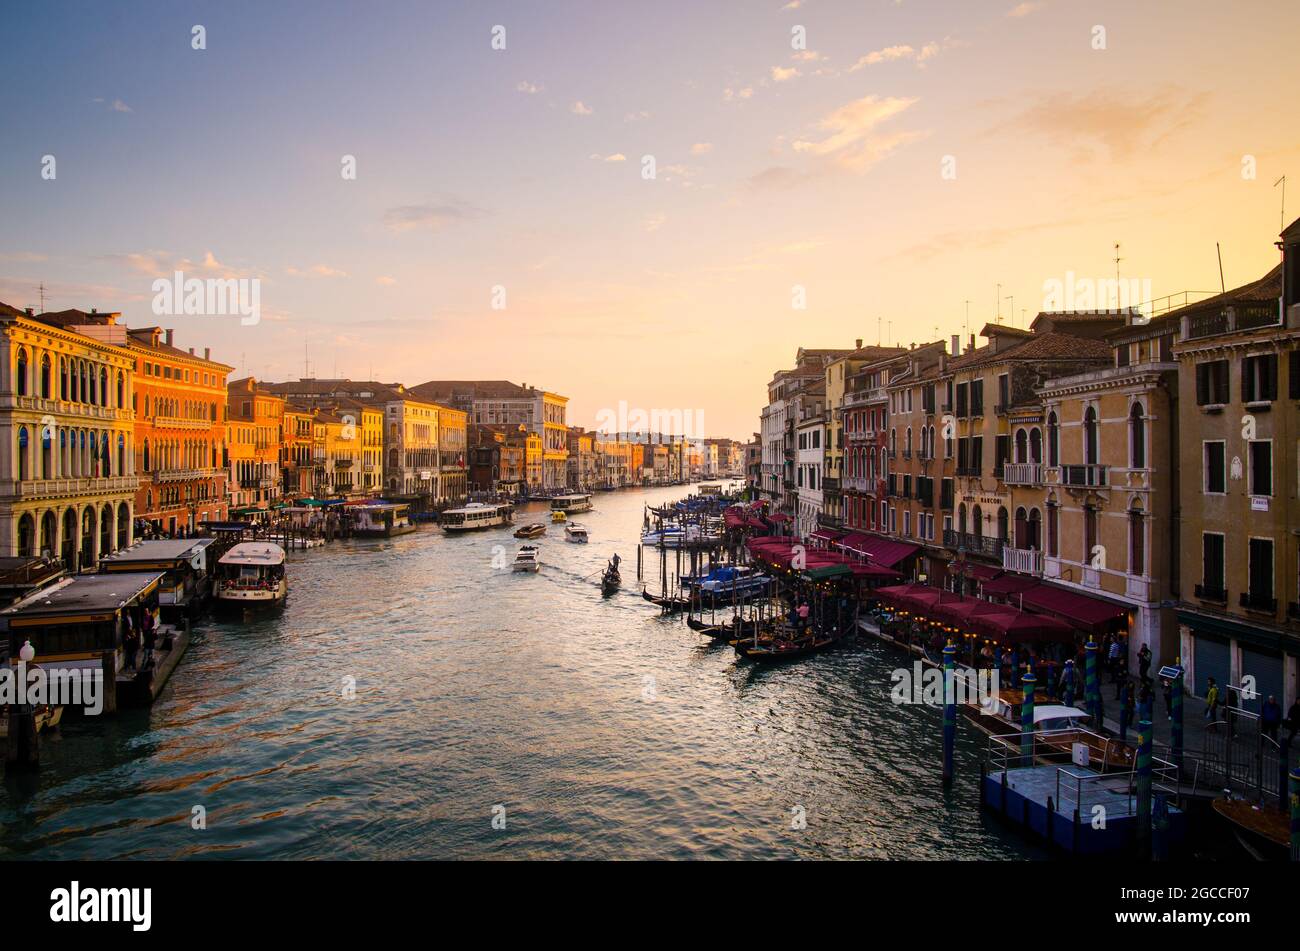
434	216
1121	121
793	5
580	109
164	264
807	56
385	280
613	157
636	116
729	94
1024	9
24	257
780	74
653	222
529	88
852	142
905	52
775	178
701	148
117	105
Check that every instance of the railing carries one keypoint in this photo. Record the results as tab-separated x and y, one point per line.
1258	602
857	483
1084	476
976	544
1254	316
58	488
1027	561
176	422
1207	593
1022	473
180	475
1206	325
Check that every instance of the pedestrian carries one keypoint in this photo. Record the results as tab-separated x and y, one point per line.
1292	720
131	644
1211	700
1270	717
148	636
1067	684
1167	688
1144	663
1112	660
803	617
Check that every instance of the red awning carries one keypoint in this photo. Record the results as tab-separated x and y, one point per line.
973	569
1017	627
1008	584
879	551
1084	612
826	535
959	613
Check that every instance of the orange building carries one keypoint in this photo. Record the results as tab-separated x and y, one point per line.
179	399
256	437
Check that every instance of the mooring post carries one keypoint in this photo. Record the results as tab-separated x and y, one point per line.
1176	718
1091	688
949	710
1027	682
1144	788
1124	714
1295	814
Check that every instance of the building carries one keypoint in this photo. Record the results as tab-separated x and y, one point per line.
67	459
180	409
584	464
1238	357
497	459
865	413
778	420
491	402
453	481
918	468
837	375
296	465
810	429
255	441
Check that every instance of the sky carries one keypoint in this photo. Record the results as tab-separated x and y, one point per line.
822	172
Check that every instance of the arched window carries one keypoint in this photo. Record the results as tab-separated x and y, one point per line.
88	537
63	378
1022	528
26	535
1137	433
1022	446
49	530
105	458
1136	539
961	518
146	454
1004	527
106	530
47	453
1090	437
103	386
121	389
1053	521
45	376
977	528
1053	441
20	372
123	525
23	472
1036	445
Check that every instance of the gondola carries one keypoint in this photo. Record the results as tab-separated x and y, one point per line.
669	603
610	581
778	650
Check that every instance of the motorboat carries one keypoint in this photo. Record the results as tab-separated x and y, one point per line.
477	515
526	559
251	574
574	532
531	530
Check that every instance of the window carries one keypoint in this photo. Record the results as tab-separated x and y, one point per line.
1136	543
1089	533
1216	468
907	523
963	390
1212	383
1261	573
1053	546
1261	467
1004	391
1259	378
1212	576
977	398
1002	449
1053	441
1293	374
1090	437
1137	432
977	453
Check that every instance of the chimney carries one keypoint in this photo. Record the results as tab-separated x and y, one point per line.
972	344
191	351
207	353
94	310
956	345
857	344
31	311
168	337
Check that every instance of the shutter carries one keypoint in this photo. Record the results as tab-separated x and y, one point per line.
1202	384
1270	377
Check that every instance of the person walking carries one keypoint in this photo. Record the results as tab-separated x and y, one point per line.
1144	663
1211	700
1270	718
1167	688
803	617
130	643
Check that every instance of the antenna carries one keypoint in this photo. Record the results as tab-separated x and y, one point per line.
1219	252
966	326
1012	298
1117	260
879	339
1282	217
43	296
999	303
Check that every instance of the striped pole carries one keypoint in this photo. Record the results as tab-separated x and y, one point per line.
1294	785
1091	685
949	710
1027	716
1144	788
1124	716
1176	720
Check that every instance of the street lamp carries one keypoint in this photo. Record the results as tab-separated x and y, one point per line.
27	653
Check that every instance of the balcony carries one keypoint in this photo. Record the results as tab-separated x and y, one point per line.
857	484
1087	476
1207	593
975	544
1258	602
61	488
176	422
180	475
1022	473
971	472
1026	561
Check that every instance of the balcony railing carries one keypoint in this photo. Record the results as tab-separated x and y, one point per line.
1027	561
975	544
1258	602
857	484
180	475
1208	593
60	488
1022	473
1086	476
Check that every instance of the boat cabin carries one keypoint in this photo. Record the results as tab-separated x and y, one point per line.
573	502
186	584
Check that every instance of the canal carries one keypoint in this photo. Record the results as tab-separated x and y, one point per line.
590	728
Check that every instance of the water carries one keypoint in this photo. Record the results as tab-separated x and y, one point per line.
602	729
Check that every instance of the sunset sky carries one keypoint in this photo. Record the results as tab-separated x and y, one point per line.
522	167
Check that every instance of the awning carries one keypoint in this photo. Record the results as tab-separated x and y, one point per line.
827	535
1008	584
1017	627
959	613
1084	612
880	551
973	569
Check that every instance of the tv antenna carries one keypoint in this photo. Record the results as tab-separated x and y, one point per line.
1282	215
1117	260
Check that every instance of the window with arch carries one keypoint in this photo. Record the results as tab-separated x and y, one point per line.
1053	524
1022	446
1090	445
23	473
1036	445
20	372
1137	437
1053	440
45	376
1136	539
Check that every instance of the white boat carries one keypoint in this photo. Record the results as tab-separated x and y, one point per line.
477	515
251	574
674	536
575	533
381	520
526	558
573	502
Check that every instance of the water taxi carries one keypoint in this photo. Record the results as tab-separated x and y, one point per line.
251	574
477	515
728	583
531	530
526	559
558	517
381	519
573	502
575	533
186	564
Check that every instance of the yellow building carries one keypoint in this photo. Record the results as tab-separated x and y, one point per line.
453	478
67	463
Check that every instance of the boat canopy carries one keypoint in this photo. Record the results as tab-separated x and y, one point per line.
254	553
1058	712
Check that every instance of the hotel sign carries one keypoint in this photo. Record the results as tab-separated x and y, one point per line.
982	500
1259	503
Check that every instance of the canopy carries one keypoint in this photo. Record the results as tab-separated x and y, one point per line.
959	613
1089	614
880	551
1018	627
1008	584
973	569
